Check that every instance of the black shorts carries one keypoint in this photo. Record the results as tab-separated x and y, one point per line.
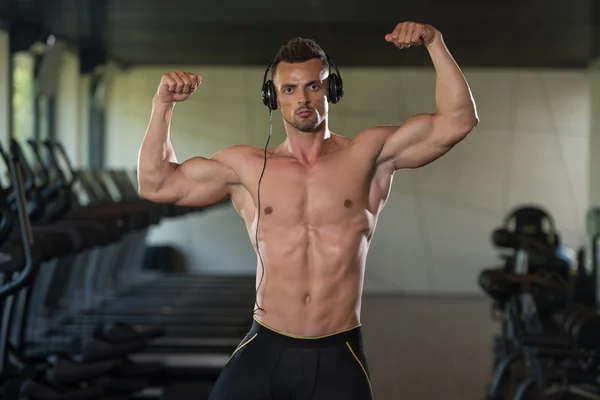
269	364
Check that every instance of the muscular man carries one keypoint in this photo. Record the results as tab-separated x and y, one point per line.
320	197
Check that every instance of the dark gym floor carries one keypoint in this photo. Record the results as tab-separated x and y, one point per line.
428	348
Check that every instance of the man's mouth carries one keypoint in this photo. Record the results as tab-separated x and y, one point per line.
304	113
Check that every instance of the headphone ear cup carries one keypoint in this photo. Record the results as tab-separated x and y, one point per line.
340	87
269	96
336	91
333	97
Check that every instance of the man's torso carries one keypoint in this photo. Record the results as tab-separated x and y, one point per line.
315	226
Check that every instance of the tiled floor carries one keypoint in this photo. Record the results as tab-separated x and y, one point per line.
428	348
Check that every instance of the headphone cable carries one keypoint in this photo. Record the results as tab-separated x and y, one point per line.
259	209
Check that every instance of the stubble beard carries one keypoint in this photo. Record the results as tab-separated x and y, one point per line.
306	125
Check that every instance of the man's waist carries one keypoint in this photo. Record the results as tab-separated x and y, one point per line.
349	334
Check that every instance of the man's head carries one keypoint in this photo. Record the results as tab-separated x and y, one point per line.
300	73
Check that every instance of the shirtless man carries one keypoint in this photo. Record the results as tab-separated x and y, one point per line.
320	198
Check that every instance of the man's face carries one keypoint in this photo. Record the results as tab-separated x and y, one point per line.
302	93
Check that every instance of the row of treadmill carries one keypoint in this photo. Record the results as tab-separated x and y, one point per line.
544	296
82	315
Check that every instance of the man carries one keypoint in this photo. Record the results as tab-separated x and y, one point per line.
320	197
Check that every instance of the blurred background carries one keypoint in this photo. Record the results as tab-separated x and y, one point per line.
85	71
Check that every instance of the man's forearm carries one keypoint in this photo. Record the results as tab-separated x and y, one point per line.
156	158
452	94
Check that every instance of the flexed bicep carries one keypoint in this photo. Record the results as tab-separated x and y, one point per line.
197	182
421	140
203	182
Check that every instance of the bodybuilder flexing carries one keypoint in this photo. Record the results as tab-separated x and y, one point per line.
320	197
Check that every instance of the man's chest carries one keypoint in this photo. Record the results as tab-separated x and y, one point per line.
325	192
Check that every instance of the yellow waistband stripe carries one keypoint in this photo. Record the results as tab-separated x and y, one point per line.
304	337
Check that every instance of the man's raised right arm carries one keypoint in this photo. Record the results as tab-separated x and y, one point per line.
196	182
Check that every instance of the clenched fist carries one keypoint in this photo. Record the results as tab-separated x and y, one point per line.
177	86
408	34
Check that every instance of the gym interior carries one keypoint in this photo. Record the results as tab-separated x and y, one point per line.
481	276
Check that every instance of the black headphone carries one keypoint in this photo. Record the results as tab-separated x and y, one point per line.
336	87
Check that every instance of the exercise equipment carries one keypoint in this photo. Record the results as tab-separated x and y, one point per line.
550	337
534	222
591	253
88	322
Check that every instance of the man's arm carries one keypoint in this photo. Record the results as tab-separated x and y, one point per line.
424	138
196	182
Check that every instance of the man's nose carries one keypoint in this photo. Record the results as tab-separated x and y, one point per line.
303	98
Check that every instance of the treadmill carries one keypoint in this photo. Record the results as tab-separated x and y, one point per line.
206	348
99	360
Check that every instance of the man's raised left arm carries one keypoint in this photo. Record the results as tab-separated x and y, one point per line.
426	137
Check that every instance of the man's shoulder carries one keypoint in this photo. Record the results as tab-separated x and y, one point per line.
375	133
372	139
237	151
238	156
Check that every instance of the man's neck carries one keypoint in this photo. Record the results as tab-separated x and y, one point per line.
306	147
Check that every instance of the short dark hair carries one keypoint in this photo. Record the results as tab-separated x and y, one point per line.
298	50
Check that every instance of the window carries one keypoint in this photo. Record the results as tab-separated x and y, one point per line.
23	97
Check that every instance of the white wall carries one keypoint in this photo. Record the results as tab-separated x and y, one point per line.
594	142
433	236
69	108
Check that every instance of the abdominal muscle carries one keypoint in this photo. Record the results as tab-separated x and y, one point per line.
312	282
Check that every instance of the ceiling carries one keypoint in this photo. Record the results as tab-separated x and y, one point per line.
479	33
